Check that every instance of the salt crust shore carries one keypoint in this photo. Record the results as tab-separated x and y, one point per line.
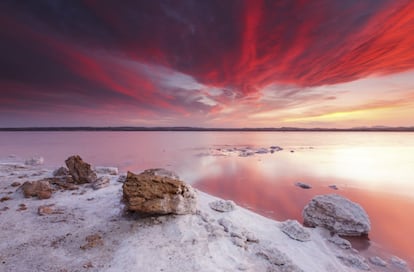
89	230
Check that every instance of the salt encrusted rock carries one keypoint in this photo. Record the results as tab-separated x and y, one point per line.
340	242
154	194
337	214
222	205
399	263
104	170
378	261
121	178
303	185
61	171
227	225
162	173
34	161
80	170
278	259
100	183
40	188
294	230
354	261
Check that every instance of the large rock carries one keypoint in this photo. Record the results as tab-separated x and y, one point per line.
155	194
337	214
40	188
80	170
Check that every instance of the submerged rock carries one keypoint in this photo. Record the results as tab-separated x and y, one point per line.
303	185
154	194
337	214
222	205
80	170
40	188
294	230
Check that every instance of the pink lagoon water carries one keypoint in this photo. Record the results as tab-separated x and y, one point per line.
375	169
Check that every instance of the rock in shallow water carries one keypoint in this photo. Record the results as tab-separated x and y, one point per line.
80	170
337	214
154	194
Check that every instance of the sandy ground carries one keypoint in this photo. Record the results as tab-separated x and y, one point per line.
88	230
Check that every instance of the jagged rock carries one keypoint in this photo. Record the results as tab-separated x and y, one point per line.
155	194
162	173
40	188
222	205
295	230
303	185
337	214
354	261
340	242
101	182
80	170
378	261
34	161
106	170
61	171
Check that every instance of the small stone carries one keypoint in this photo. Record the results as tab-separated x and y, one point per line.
100	183
92	241
40	188
16	184
34	161
333	187
354	261
5	198
296	231
250	236
398	262
22	207
104	170
340	242
121	178
61	171
222	205
378	261
303	185
227	225
47	210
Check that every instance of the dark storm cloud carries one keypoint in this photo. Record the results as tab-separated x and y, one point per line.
69	52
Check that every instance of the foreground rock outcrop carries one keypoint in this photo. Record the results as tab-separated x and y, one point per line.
39	188
158	194
80	171
337	214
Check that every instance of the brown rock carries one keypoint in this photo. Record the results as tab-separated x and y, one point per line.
5	198
39	188
100	183
92	241
61	171
15	184
48	209
22	207
80	170
154	194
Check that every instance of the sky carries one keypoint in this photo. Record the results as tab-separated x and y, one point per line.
215	63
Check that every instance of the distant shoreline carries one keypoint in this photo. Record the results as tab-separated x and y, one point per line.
199	129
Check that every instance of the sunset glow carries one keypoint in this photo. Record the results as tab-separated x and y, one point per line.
211	63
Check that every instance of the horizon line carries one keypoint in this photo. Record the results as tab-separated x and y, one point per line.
189	128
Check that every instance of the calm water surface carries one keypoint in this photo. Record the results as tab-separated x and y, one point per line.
372	168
